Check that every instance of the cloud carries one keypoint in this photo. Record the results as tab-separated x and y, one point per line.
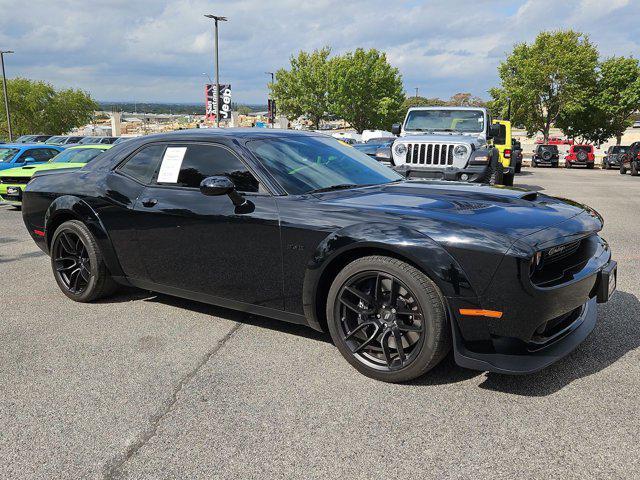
151	50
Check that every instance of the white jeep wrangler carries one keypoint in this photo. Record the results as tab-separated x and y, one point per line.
449	143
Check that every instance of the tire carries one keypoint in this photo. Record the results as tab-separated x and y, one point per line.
87	278
567	164
507	179
590	165
606	166
623	170
555	165
634	168
534	164
345	326
518	168
582	157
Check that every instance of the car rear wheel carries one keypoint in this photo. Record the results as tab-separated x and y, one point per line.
387	319
634	169
78	265
507	179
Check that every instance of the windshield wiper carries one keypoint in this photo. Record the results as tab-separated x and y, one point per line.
330	188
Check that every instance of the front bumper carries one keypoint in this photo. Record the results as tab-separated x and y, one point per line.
471	173
13	199
534	361
540	324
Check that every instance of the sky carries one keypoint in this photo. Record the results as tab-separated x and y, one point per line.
157	51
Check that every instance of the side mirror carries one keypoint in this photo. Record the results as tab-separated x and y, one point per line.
395	128
494	130
383	154
214	186
221	185
29	160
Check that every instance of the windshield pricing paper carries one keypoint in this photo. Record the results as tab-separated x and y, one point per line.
171	163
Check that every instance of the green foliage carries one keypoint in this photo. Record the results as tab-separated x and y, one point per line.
554	74
414	101
303	90
244	110
360	87
466	100
618	93
365	90
36	107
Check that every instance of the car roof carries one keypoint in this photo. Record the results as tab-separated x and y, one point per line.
244	133
100	146
27	145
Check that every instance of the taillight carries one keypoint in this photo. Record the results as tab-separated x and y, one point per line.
507	153
638	156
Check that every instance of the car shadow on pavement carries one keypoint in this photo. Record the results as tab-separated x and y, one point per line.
525	186
617	333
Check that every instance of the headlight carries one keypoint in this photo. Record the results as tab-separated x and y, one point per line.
461	151
400	149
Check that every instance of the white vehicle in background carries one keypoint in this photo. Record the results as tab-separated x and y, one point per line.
370	134
352	135
448	143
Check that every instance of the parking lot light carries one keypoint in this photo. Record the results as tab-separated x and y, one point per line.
6	97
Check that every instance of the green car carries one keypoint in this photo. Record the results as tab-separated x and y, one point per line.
14	180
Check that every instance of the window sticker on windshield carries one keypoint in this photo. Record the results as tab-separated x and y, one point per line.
171	163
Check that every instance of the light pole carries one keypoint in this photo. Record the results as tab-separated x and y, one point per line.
217	19
416	92
6	97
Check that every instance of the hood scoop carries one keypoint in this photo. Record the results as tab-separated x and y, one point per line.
531	196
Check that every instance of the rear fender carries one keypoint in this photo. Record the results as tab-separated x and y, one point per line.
69	207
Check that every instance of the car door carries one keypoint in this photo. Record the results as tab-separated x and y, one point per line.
205	244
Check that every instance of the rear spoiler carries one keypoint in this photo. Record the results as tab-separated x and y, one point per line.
41	173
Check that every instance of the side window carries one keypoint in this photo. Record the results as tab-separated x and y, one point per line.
202	161
143	165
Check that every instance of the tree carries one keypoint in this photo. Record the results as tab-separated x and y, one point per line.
303	90
365	90
36	107
618	93
414	101
555	73
465	100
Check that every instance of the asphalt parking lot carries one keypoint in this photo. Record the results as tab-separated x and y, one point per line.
149	386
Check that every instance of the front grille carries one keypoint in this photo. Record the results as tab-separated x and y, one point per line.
15	180
556	254
430	154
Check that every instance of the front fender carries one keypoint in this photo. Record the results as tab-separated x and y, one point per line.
69	206
399	241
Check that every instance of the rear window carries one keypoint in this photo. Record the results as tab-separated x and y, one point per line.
550	148
619	149
582	148
77	155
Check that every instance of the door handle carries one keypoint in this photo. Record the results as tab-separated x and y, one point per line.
149	202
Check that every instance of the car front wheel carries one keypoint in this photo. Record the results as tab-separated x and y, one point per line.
387	319
78	265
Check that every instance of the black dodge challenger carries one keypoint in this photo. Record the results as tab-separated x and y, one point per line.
298	227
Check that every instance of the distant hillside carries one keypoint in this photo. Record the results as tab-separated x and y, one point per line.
176	108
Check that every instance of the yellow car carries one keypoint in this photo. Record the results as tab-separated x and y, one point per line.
503	144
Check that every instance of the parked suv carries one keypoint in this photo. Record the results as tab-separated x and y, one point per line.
545	155
612	156
631	160
580	155
449	143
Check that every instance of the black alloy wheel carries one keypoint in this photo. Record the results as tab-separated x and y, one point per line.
387	319
72	262
78	265
381	321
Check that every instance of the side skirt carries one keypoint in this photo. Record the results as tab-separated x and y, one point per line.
218	301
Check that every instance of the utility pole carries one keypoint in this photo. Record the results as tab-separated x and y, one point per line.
217	19
416	92
6	97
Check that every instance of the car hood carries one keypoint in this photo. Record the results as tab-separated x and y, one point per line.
443	137
508	211
31	169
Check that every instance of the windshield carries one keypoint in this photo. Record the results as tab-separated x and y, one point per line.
89	140
54	140
77	155
7	154
303	164
619	149
445	120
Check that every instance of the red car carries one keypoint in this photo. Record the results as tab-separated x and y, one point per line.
555	141
580	155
